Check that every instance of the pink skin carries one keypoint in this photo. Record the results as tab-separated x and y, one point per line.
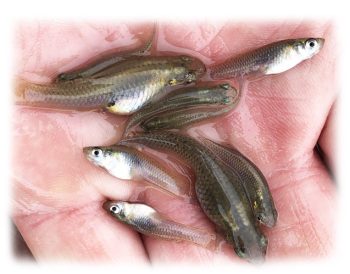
58	194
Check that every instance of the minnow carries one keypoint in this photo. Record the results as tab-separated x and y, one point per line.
270	59
188	98
128	163
122	89
222	200
148	221
252	179
179	119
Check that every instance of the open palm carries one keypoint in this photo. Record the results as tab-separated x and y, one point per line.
58	194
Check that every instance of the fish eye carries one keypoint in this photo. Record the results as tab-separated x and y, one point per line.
115	209
311	43
97	152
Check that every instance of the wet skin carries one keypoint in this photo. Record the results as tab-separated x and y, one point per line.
276	124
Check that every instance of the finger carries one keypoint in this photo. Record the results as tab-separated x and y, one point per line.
305	200
38	57
82	233
56	189
165	251
277	125
282	116
327	139
51	175
21	249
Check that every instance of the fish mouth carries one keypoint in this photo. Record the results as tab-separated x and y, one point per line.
257	254
87	153
107	205
321	42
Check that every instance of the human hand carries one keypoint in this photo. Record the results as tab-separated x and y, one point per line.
58	194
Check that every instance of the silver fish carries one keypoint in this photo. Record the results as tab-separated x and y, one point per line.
270	59
128	163
148	221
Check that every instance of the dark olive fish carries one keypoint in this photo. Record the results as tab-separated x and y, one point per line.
122	89
270	59
253	180
220	194
188	98
181	118
128	163
148	221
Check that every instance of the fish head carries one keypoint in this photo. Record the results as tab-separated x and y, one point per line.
114	159
268	216
195	69
97	155
231	93
252	249
116	209
308	47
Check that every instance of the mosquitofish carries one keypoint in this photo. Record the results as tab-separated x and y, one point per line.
148	221
122	89
270	59
223	201
253	180
181	118
128	163
189	98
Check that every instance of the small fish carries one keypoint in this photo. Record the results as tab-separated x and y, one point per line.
270	59
148	221
219	192
189	98
128	163
181	118
252	179
122	89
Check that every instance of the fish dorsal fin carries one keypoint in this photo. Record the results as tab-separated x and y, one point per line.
106	65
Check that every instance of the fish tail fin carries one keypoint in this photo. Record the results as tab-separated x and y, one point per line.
20	87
